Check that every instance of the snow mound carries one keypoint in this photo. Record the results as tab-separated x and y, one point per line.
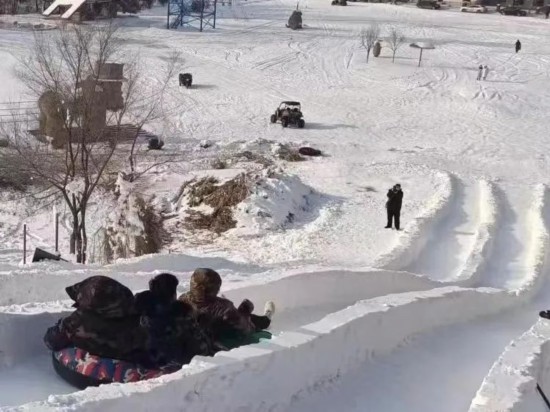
276	201
244	203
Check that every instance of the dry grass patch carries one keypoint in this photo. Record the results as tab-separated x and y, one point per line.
222	198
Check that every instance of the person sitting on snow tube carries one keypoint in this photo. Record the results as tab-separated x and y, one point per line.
227	326
105	322
173	333
104	340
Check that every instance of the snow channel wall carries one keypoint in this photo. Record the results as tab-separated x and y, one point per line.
511	385
417	233
43	282
537	257
268	376
22	327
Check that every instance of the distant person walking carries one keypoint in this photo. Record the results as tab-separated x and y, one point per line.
547	11
479	72
393	206
485	72
518	46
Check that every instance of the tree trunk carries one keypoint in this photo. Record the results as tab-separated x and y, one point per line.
83	234
368	53
78	246
393	58
74	212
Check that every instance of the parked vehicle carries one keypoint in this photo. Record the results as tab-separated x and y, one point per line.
513	11
473	9
428	4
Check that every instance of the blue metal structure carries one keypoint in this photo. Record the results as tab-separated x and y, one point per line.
191	13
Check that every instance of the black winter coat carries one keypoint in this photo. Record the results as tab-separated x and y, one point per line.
172	330
395	199
104	323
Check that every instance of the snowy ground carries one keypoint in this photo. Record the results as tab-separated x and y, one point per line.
471	156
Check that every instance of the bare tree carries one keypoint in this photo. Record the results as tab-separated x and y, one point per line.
369	37
395	41
92	123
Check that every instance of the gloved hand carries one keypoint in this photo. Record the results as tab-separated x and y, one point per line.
246	306
545	314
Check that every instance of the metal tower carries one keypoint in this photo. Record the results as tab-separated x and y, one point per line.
193	13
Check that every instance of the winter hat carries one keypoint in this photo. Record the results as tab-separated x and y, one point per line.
205	283
164	286
102	295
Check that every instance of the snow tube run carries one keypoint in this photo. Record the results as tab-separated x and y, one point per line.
81	369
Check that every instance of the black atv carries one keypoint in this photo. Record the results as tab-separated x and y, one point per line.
290	114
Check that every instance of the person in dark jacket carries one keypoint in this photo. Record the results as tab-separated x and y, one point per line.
173	333
393	206
518	46
105	322
219	316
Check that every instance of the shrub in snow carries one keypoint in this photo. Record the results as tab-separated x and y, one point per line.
219	198
248	202
134	228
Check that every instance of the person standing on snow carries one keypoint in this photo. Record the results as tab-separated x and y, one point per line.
485	72
479	72
393	206
518	46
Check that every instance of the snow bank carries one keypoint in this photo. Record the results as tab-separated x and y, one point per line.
44	282
23	326
328	287
295	362
25	286
417	233
511	385
483	246
22	329
538	244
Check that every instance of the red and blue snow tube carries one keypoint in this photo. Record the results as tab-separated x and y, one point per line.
82	369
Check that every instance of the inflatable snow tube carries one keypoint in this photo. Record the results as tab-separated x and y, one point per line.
81	369
231	342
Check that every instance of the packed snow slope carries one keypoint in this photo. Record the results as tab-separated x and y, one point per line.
471	156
